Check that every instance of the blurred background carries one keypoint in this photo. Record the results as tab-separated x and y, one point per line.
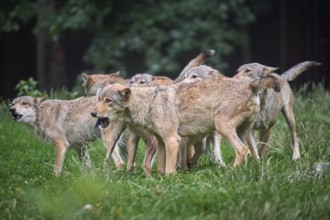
55	41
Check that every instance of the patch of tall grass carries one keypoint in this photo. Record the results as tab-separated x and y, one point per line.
275	187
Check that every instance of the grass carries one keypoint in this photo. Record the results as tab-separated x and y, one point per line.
273	188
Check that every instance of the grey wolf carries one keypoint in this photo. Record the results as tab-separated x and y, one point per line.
186	110
64	123
273	103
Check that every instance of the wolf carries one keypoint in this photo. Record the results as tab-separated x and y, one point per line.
273	103
64	123
186	110
129	138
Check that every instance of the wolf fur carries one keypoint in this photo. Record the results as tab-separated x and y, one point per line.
142	79
64	123
93	83
273	103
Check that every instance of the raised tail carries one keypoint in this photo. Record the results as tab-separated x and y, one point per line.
259	85
295	71
199	60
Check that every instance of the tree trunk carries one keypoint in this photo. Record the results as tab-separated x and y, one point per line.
50	54
57	70
43	14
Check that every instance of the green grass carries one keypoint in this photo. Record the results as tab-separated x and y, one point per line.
274	188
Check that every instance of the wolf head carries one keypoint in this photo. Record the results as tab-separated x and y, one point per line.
112	102
199	73
141	79
254	71
25	108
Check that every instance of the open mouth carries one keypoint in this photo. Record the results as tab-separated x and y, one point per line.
103	122
16	117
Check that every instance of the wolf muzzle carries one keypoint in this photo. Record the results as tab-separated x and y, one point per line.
103	122
14	114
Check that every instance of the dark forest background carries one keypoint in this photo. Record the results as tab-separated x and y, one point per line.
55	41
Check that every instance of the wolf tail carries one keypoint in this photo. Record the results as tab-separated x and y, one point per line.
259	85
295	71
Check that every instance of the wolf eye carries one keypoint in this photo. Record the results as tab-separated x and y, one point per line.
108	100
25	103
194	76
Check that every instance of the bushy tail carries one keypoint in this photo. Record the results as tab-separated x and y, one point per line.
199	60
295	71
259	85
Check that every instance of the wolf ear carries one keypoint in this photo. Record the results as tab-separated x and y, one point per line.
266	70
84	77
214	73
125	93
117	73
38	100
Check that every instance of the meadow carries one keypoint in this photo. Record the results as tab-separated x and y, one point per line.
275	187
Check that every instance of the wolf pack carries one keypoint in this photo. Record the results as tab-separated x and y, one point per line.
178	120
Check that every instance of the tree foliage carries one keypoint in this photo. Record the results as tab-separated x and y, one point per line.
64	15
152	34
75	15
14	14
162	31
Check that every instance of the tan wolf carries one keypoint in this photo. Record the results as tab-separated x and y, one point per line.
129	138
64	123
273	103
188	110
